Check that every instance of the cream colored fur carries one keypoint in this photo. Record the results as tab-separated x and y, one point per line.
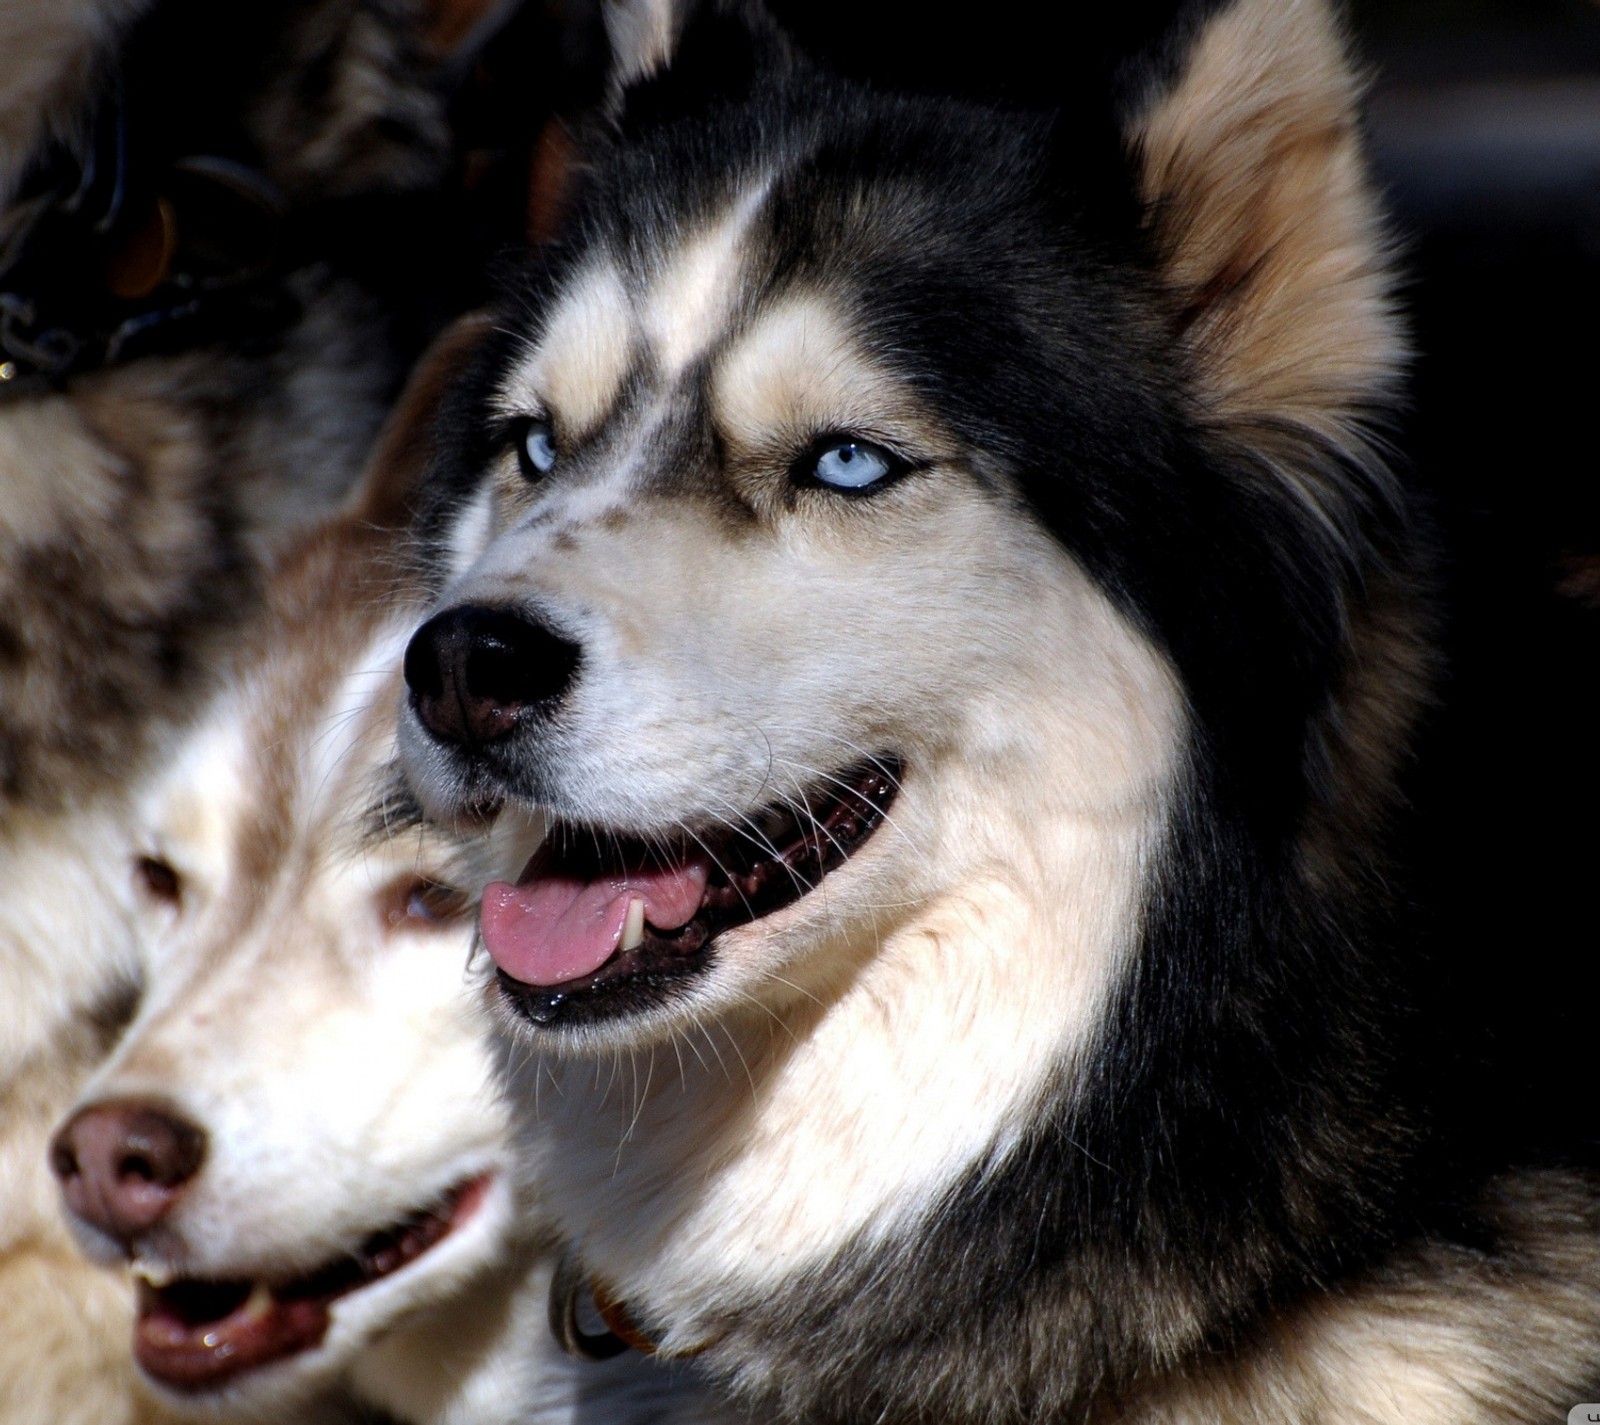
307	1007
68	955
1433	1339
320	1037
132	502
1272	239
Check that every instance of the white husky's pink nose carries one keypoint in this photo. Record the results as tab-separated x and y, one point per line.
123	1164
475	672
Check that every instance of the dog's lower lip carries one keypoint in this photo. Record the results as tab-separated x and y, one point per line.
195	1335
587	877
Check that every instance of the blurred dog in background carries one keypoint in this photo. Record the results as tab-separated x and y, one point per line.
199	336
299	1142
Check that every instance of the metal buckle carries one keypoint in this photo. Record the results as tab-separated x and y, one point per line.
568	1287
51	352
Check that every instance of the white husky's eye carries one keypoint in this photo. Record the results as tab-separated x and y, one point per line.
852	464
416	902
158	880
536	447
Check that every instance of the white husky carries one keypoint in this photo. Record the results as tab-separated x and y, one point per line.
299	1143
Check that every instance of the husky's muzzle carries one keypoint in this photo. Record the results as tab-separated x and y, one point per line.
606	919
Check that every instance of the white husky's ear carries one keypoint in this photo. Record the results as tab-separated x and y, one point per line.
388	493
1251	170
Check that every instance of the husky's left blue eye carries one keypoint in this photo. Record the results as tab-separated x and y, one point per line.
536	447
852	464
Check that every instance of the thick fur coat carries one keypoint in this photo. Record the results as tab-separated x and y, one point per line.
939	569
141	494
354	1232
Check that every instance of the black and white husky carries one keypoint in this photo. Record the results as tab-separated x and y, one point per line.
935	567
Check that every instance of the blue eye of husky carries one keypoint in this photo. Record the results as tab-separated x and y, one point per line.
536	447
846	464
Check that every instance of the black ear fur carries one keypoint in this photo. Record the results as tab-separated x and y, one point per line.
726	50
723	53
1119	58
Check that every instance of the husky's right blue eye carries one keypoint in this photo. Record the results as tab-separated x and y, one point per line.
536	447
852	464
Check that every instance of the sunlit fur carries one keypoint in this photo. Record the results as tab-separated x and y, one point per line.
1086	1089
69	974
137	505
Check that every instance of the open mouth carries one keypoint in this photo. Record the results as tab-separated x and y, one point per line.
195	1334
602	923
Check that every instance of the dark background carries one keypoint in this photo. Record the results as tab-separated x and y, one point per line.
1485	132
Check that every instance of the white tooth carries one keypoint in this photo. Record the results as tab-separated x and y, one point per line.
633	926
158	1276
259	1303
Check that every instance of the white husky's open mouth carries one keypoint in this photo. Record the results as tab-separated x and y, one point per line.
602	922
196	1334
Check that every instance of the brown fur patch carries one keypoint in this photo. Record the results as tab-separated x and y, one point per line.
387	497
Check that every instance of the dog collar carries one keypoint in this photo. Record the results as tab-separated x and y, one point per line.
569	1288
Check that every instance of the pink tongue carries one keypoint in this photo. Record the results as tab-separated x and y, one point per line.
551	928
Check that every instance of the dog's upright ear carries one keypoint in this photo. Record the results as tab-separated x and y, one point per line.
1249	163
390	492
674	57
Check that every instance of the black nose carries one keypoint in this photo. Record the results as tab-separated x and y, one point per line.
474	672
